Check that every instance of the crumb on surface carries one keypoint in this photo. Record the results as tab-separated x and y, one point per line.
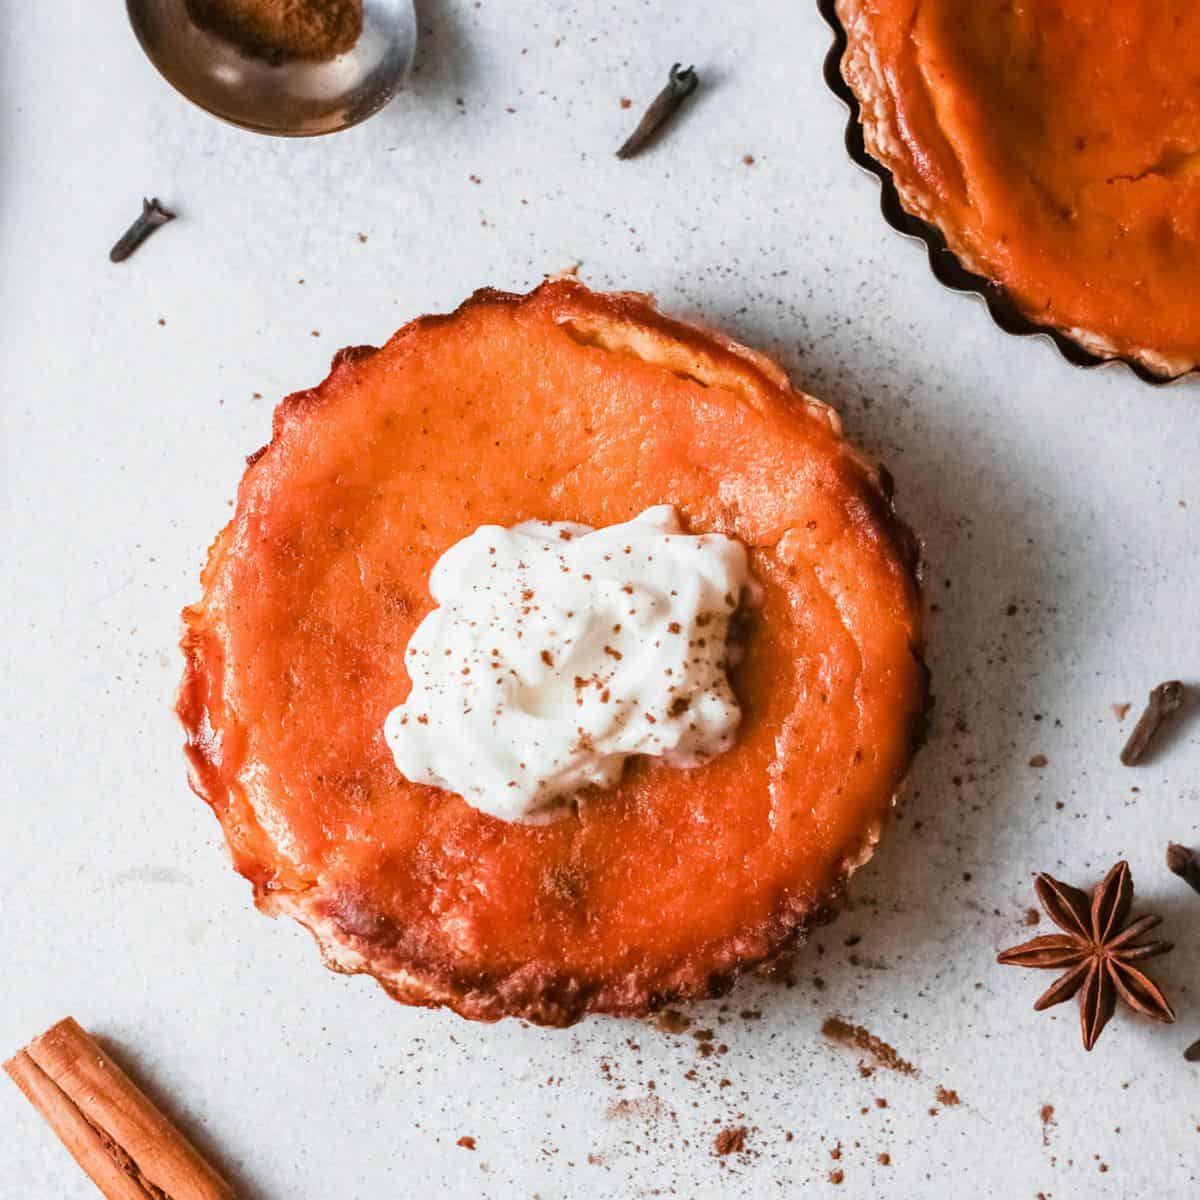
843	1032
671	1020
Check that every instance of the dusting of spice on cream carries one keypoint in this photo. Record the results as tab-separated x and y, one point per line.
556	651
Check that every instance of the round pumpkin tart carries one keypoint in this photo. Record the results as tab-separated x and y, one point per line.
1056	146
562	405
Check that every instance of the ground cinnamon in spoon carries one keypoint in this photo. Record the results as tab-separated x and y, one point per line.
278	30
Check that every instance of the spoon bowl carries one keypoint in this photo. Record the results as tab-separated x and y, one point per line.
293	98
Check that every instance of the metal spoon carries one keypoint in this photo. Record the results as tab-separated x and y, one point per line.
296	98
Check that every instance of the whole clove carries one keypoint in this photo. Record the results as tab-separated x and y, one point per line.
1184	863
152	217
1192	1053
1164	700
681	83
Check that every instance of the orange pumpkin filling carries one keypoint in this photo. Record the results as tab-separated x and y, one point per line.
563	405
1056	144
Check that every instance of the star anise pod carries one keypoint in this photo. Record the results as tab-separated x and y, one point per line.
1097	950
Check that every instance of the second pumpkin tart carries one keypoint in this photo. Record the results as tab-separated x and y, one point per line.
1056	146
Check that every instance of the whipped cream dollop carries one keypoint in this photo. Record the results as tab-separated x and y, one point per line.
556	651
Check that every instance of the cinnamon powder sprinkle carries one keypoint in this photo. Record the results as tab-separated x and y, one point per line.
1048	1122
947	1096
730	1141
839	1030
279	30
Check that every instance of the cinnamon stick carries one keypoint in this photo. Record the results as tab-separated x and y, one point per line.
126	1146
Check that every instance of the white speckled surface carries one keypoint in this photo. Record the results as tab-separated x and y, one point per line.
1071	497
